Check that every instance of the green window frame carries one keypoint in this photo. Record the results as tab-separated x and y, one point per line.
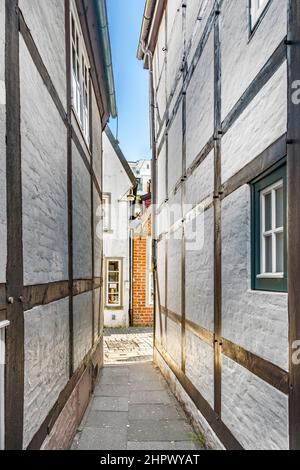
269	237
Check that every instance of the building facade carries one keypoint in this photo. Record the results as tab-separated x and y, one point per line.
119	187
143	285
142	171
226	155
56	95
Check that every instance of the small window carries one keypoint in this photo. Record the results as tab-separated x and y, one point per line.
257	8
269	232
106	204
114	283
140	184
80	77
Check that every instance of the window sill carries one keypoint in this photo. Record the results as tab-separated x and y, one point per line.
270	276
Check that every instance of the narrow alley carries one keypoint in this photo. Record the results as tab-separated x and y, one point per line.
132	407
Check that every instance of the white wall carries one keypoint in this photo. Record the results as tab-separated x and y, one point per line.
116	243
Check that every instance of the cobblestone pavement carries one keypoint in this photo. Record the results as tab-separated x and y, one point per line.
128	345
133	409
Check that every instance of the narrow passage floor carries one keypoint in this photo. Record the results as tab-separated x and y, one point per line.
132	407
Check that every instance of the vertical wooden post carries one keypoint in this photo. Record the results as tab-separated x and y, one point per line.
293	161
69	184
14	383
217	215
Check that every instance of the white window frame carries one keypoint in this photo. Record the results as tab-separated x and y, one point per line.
272	233
106	199
81	83
120	293
3	326
257	8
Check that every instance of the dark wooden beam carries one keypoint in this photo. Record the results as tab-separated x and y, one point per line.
213	419
217	216
3	297
293	163
14	380
44	294
263	369
69	184
201	333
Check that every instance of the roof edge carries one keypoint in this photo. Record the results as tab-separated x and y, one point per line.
121	156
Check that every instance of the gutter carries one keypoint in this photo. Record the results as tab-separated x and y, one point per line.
102	18
146	26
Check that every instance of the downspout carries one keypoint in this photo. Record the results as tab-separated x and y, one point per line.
102	18
149	54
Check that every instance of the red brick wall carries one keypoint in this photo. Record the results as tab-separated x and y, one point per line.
142	314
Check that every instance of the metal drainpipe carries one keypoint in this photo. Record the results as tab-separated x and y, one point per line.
154	176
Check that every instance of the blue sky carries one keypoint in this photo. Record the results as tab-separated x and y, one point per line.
125	19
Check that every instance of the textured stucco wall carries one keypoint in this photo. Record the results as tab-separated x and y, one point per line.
175	42
197	13
256	320
174	272
116	243
175	151
256	413
82	308
200	275
161	177
200	366
44	180
173	345
97	140
2	148
82	236
98	235
46	21
264	121
242	60
201	183
200	104
46	362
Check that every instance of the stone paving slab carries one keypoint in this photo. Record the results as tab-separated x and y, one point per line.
133	407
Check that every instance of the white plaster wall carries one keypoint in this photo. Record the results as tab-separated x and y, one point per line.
255	412
256	320
116	243
200	104
200	275
175	42
175	150
97	140
44	180
46	362
82	237
174	341
3	250
46	21
174	272
160	98
83	323
98	239
263	121
161	272
243	59
200	366
161	176
201	183
160	332
97	307
197	14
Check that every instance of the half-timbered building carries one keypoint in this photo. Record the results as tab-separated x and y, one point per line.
56	95
225	107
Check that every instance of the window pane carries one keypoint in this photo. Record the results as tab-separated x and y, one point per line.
279	208
113	277
268	212
279	252
113	266
268	254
